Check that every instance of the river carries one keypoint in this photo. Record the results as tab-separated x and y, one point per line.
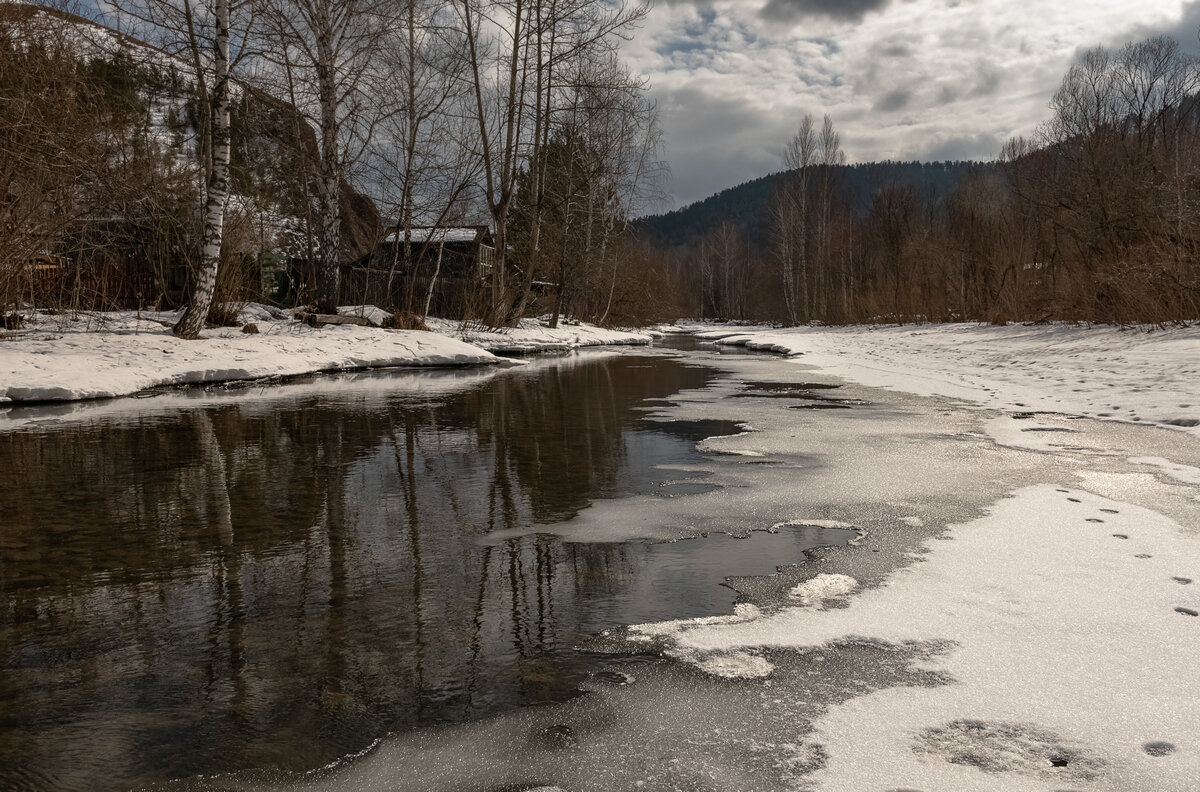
220	580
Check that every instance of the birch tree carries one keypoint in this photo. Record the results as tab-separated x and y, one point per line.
211	37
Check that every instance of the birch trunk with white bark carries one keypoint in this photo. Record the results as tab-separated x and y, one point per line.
217	188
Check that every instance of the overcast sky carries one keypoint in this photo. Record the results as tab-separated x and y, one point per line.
902	79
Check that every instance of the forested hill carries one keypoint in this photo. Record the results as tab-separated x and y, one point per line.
747	206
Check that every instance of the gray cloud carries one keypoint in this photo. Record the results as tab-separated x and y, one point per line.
712	118
988	79
980	146
793	10
716	142
947	94
892	101
1186	32
984	79
896	50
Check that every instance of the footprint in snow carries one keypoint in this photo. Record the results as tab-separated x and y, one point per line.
1121	536
1074	500
1158	748
1187	612
1110	511
1094	519
1142	555
1182	580
1062	490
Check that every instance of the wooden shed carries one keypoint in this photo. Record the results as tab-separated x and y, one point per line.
454	261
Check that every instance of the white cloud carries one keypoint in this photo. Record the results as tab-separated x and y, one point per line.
903	80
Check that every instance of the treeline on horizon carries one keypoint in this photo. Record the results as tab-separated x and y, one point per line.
1095	218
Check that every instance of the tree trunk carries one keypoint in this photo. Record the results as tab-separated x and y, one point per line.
328	278
612	284
433	281
196	314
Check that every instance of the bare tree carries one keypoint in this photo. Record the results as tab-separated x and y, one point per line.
632	143
1118	182
324	54
830	157
789	209
47	145
531	46
422	158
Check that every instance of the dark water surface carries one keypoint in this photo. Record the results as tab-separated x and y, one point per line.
276	582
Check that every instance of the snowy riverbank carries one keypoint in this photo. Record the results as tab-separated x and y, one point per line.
92	356
530	336
1131	374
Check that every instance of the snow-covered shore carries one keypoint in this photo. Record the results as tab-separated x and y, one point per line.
93	356
1131	374
531	336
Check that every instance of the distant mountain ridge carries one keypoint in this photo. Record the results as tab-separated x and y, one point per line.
747	205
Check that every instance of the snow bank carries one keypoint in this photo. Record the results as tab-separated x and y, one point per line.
1082	604
373	314
531	336
117	354
1128	374
101	355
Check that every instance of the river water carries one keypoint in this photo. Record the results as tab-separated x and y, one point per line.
277	578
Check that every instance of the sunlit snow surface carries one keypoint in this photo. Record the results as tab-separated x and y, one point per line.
116	354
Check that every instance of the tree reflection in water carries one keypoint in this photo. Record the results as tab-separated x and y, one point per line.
280	581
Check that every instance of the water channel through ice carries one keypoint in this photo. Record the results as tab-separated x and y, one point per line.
999	601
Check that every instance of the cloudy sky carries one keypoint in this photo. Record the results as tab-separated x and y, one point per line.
902	79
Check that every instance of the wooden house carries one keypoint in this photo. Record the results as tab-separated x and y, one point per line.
465	251
456	261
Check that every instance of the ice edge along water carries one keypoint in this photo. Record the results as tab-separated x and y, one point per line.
1070	619
1066	614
